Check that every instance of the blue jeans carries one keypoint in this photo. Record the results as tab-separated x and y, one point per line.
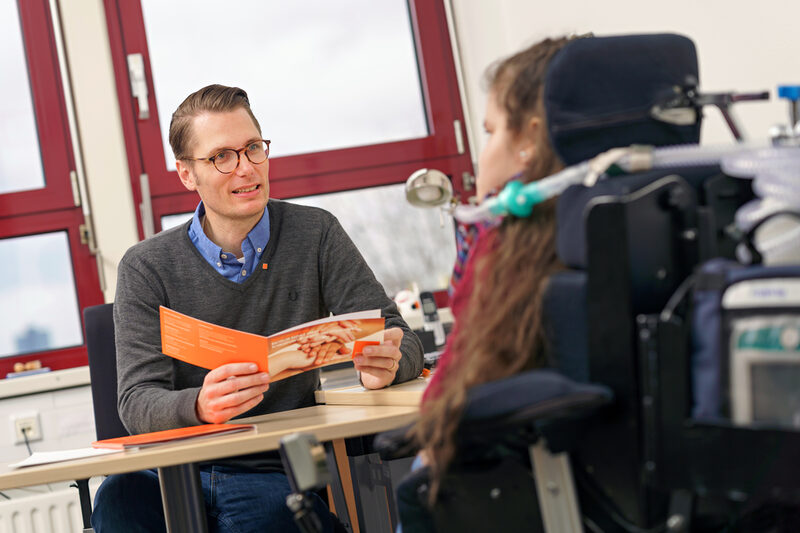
236	501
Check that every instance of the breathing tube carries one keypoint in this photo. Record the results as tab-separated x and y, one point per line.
518	199
776	182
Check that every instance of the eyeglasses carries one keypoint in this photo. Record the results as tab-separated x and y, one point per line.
227	160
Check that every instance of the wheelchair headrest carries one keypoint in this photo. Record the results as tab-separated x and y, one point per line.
599	93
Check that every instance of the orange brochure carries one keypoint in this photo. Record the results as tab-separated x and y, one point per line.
208	345
170	435
311	345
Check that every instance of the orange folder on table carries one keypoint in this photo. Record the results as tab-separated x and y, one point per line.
170	435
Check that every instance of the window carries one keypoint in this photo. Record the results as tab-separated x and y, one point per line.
20	160
37	283
35	158
46	275
402	244
316	83
353	94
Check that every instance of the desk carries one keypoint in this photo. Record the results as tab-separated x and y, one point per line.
408	393
177	462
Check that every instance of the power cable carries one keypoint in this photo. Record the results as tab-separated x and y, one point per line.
24	431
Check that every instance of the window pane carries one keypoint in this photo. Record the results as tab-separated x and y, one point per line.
170	221
401	243
37	288
321	75
20	158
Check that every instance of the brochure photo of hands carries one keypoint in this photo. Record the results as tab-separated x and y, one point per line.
321	345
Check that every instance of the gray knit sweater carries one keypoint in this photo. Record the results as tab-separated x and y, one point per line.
310	269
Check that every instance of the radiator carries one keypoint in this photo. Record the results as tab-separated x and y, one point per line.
50	512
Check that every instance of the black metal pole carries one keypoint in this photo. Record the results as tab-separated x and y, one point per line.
86	501
182	496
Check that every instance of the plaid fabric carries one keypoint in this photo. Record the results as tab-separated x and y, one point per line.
466	236
480	241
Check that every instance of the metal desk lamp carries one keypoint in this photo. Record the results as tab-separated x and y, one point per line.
430	188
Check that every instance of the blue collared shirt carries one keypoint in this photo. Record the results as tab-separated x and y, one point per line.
226	263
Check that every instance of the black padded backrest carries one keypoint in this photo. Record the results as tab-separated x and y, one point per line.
566	324
572	205
600	93
99	323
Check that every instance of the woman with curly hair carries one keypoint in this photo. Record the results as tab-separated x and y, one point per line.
497	301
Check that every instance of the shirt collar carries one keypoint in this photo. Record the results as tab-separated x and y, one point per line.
258	236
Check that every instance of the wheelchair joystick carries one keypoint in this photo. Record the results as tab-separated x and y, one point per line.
307	469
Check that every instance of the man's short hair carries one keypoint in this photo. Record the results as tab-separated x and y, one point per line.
211	99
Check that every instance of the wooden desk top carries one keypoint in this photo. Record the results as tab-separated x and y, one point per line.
326	422
408	393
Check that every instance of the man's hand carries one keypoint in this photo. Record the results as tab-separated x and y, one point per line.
230	390
378	364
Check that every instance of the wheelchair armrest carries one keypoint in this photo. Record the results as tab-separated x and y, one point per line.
532	396
544	400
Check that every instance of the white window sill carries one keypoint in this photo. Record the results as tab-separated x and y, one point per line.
49	381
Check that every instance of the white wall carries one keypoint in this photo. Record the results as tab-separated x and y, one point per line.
66	418
741	47
67	421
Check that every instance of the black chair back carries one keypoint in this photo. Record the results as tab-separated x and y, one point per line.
102	351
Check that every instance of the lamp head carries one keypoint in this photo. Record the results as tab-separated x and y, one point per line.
428	188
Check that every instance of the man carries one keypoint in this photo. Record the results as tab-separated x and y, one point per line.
244	262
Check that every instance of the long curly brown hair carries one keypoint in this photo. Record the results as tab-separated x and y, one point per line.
502	332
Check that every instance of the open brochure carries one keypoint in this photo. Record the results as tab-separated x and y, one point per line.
170	435
298	349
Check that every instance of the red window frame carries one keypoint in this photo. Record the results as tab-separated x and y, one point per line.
51	121
84	268
51	208
311	173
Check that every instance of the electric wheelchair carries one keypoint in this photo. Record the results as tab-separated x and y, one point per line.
605	439
619	319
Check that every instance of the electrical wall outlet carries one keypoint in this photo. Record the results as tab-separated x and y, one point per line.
26	424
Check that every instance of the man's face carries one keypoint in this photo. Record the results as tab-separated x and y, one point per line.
236	197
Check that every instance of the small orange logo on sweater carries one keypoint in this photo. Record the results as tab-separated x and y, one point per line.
264	266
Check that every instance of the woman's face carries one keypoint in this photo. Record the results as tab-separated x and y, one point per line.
502	156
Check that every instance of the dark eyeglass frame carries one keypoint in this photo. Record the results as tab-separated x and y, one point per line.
238	156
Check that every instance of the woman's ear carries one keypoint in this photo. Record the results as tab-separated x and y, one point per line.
528	141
